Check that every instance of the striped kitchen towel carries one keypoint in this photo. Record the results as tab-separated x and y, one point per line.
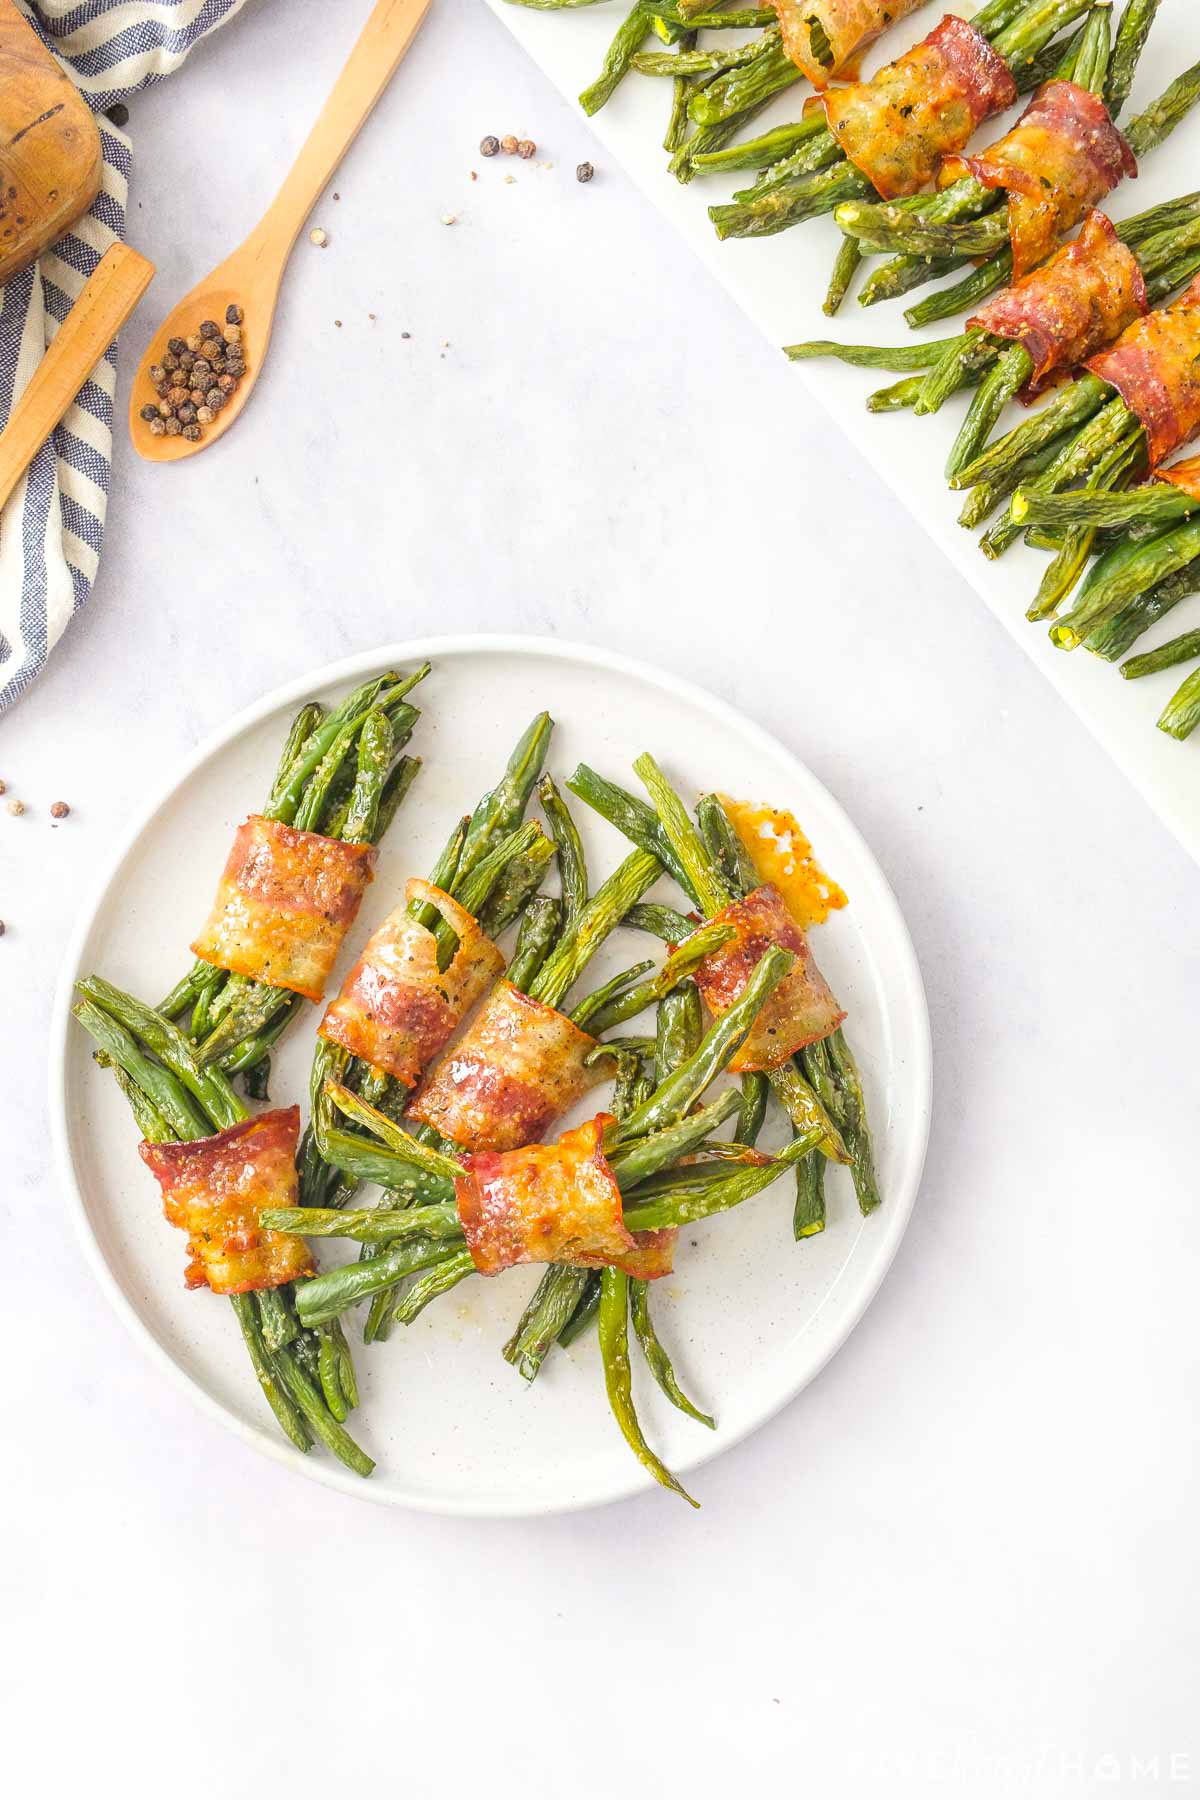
51	529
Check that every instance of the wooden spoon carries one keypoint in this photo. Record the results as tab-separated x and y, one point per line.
251	277
112	291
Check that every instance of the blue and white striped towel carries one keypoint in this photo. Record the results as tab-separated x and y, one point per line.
51	529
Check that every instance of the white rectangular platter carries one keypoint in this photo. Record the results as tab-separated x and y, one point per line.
780	282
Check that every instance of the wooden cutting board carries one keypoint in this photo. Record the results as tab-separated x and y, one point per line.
49	146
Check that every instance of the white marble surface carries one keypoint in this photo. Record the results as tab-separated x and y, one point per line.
965	1561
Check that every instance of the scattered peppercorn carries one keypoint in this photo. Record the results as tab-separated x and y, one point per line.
118	114
584	172
318	237
509	145
59	810
233	314
3	787
449	218
406	334
16	808
1	927
526	148
489	146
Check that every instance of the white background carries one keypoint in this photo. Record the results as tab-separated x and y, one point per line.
965	1561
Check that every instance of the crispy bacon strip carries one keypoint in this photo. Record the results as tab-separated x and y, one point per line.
519	1067
897	127
1155	369
799	1011
1063	155
397	1009
1078	302
286	900
825	38
555	1203
215	1188
1185	476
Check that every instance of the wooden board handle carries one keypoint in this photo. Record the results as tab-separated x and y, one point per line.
373	61
114	288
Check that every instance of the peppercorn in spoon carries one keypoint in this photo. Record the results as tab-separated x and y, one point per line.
204	359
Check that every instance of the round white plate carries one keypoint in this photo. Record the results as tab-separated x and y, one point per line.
750	1316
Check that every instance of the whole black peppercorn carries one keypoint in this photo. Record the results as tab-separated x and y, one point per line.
119	114
170	361
176	346
210	329
148	412
157	372
173	427
157	428
233	315
489	146
526	148
200	368
584	172
186	413
59	810
192	432
186	360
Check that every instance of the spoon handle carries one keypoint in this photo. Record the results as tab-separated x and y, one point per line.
385	37
112	291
